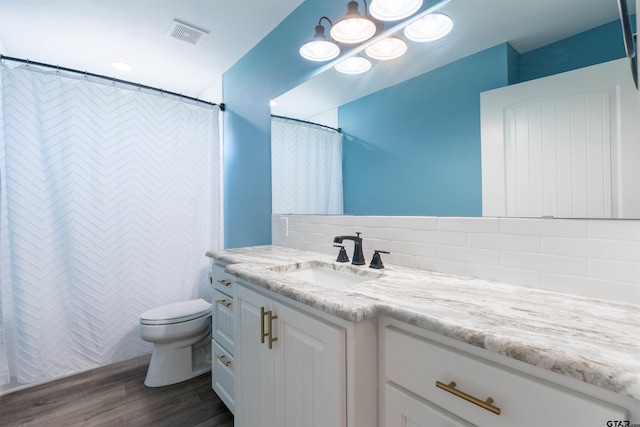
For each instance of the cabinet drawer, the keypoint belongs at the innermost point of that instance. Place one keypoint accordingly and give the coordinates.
(416, 364)
(403, 409)
(222, 375)
(220, 280)
(223, 320)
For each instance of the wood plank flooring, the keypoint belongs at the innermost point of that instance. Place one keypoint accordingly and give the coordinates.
(116, 396)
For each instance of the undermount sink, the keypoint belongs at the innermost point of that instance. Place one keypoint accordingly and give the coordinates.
(325, 274)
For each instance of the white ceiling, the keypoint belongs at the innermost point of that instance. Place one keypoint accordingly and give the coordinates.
(89, 34)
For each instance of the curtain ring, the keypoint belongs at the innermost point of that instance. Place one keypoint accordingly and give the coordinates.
(85, 75)
(28, 66)
(139, 86)
(57, 70)
(113, 82)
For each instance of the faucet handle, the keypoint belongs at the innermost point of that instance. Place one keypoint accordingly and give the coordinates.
(358, 233)
(376, 261)
(342, 255)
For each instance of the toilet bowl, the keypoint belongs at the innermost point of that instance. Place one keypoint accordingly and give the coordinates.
(181, 337)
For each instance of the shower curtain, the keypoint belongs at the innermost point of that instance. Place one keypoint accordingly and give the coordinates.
(306, 168)
(109, 199)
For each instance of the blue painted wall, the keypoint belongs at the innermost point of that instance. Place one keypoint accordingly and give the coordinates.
(271, 68)
(422, 137)
(601, 44)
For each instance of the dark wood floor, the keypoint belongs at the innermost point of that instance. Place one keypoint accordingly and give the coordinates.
(116, 396)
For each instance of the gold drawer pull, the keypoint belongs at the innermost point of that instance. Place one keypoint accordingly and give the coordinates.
(263, 330)
(224, 302)
(487, 404)
(224, 282)
(224, 361)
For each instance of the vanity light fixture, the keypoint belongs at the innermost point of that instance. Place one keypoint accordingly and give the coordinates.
(319, 48)
(353, 27)
(393, 10)
(387, 48)
(429, 28)
(353, 65)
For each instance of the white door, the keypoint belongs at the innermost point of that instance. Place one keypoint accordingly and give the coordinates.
(567, 145)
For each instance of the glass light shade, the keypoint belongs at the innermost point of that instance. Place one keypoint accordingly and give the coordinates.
(354, 65)
(353, 27)
(319, 48)
(393, 10)
(387, 48)
(428, 28)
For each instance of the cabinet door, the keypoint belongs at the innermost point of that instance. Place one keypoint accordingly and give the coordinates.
(254, 371)
(312, 380)
(404, 410)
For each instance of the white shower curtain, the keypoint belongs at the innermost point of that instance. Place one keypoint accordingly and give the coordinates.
(109, 199)
(306, 168)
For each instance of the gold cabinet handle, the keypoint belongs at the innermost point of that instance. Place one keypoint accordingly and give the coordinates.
(487, 404)
(222, 359)
(224, 282)
(267, 334)
(262, 328)
(224, 302)
(272, 339)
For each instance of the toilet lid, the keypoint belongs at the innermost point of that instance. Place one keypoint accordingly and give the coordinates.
(176, 312)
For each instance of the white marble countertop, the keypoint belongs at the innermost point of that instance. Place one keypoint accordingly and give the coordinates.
(591, 340)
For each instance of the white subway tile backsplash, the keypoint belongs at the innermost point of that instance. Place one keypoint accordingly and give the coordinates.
(399, 259)
(624, 229)
(373, 221)
(615, 270)
(419, 249)
(295, 236)
(442, 265)
(469, 225)
(449, 238)
(621, 250)
(507, 275)
(545, 263)
(597, 288)
(505, 242)
(544, 227)
(394, 234)
(481, 256)
(599, 258)
(317, 238)
(415, 222)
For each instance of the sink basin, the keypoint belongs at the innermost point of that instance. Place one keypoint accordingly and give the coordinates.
(325, 275)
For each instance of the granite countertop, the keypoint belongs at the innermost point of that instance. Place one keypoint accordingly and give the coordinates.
(592, 340)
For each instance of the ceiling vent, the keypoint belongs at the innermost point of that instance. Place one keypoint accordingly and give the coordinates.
(186, 33)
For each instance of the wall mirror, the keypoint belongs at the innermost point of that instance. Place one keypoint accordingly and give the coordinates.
(493, 44)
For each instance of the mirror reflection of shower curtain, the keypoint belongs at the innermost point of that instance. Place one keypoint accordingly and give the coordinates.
(306, 168)
(109, 200)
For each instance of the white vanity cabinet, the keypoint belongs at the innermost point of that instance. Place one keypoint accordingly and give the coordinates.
(290, 368)
(223, 335)
(426, 382)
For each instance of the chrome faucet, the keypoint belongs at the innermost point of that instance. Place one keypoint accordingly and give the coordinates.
(358, 256)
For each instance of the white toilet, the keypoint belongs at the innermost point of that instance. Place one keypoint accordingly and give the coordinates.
(181, 335)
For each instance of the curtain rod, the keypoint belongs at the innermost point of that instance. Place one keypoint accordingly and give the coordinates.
(339, 130)
(112, 79)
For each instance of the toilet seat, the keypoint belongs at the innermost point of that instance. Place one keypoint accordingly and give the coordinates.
(176, 312)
